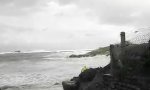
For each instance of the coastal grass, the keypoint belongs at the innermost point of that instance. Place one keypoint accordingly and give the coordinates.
(99, 51)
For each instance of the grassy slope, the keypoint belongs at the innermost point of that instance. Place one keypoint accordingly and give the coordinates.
(99, 51)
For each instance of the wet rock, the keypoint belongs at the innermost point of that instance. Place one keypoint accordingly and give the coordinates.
(9, 88)
(57, 83)
(87, 75)
(70, 85)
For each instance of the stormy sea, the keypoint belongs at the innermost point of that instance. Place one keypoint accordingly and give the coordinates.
(43, 70)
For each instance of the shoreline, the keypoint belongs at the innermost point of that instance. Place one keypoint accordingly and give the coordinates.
(99, 51)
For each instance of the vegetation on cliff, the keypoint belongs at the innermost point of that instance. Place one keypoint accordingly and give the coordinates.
(99, 51)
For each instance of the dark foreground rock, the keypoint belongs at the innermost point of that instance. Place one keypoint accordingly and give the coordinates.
(69, 85)
(90, 79)
(98, 79)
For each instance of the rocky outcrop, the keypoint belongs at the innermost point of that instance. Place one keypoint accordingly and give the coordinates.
(90, 79)
(99, 51)
(129, 69)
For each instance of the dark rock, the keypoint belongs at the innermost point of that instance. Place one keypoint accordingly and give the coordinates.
(95, 84)
(69, 85)
(9, 87)
(57, 83)
(87, 75)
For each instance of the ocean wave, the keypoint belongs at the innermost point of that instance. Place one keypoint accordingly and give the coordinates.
(32, 72)
(6, 52)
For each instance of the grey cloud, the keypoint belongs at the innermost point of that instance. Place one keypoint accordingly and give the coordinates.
(6, 28)
(118, 12)
(20, 7)
(5, 1)
(18, 3)
(63, 2)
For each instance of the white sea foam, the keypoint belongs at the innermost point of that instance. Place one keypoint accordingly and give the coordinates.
(6, 52)
(43, 74)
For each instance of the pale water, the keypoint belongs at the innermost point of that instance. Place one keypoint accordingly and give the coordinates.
(42, 70)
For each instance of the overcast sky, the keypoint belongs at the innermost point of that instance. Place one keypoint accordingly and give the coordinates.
(68, 24)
